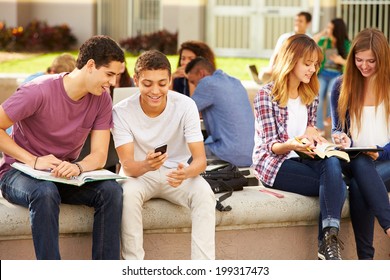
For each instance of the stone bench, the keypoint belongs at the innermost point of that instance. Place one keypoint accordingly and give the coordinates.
(260, 226)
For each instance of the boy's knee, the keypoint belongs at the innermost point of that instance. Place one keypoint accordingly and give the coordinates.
(112, 191)
(47, 192)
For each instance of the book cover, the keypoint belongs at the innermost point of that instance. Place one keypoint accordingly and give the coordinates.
(89, 176)
(361, 149)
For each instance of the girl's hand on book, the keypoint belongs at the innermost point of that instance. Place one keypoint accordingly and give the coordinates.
(342, 139)
(373, 155)
(301, 144)
(313, 135)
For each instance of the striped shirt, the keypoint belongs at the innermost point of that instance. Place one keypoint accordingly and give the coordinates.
(271, 127)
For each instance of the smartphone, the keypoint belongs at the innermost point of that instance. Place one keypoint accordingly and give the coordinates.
(161, 148)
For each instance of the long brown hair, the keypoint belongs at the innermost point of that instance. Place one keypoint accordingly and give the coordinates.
(351, 98)
(294, 48)
(199, 49)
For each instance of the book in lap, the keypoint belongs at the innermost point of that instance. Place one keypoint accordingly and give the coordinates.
(326, 149)
(330, 150)
(85, 177)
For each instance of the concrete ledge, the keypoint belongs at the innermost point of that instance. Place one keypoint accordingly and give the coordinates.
(260, 226)
(251, 209)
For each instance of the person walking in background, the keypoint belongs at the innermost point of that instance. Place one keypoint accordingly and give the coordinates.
(335, 45)
(285, 110)
(142, 122)
(227, 113)
(52, 116)
(187, 52)
(360, 103)
(302, 23)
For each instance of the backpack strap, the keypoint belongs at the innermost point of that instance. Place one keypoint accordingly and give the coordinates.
(219, 205)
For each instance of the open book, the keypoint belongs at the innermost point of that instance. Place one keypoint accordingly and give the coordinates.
(330, 150)
(89, 176)
(326, 149)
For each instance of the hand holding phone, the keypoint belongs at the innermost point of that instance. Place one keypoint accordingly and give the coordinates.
(162, 149)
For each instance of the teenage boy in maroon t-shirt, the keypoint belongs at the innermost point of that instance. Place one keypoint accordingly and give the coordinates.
(51, 118)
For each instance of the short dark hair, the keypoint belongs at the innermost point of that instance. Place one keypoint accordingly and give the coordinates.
(306, 15)
(200, 62)
(102, 49)
(152, 60)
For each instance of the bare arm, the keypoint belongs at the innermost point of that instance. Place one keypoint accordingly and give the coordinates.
(8, 146)
(97, 158)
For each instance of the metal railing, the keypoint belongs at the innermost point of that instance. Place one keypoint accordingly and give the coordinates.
(360, 14)
(127, 18)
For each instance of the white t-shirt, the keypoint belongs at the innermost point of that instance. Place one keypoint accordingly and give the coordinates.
(176, 126)
(297, 119)
(374, 130)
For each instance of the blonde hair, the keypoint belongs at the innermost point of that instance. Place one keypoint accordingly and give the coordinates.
(351, 98)
(63, 63)
(295, 47)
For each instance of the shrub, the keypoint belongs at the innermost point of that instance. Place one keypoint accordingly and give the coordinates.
(37, 36)
(163, 41)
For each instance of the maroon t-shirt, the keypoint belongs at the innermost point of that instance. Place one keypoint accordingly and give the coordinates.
(47, 121)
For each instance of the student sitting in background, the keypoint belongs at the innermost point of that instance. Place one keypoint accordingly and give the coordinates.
(227, 113)
(187, 52)
(63, 63)
(335, 47)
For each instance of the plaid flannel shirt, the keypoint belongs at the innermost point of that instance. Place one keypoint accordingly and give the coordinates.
(271, 128)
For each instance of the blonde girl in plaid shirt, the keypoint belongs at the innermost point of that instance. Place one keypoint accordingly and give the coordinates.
(284, 109)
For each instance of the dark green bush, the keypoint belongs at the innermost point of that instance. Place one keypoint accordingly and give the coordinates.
(37, 36)
(163, 41)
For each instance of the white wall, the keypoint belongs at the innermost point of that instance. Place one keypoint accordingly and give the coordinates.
(79, 15)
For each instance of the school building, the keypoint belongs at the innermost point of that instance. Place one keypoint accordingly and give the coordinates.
(246, 28)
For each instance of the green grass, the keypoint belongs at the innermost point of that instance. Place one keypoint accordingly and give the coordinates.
(236, 67)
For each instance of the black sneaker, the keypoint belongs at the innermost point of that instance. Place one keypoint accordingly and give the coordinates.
(330, 246)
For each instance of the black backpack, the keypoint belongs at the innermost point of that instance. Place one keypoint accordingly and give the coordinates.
(227, 179)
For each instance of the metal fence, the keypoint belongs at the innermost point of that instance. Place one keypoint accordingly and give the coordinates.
(127, 18)
(249, 27)
(363, 14)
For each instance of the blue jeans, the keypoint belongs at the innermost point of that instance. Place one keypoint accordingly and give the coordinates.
(327, 80)
(368, 198)
(43, 199)
(321, 178)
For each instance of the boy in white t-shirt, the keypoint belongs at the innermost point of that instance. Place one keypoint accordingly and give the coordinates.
(152, 117)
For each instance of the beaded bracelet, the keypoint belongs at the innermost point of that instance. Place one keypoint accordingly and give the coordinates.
(80, 168)
(35, 163)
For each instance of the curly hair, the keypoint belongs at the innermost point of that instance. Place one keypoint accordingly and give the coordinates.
(152, 60)
(199, 49)
(102, 49)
